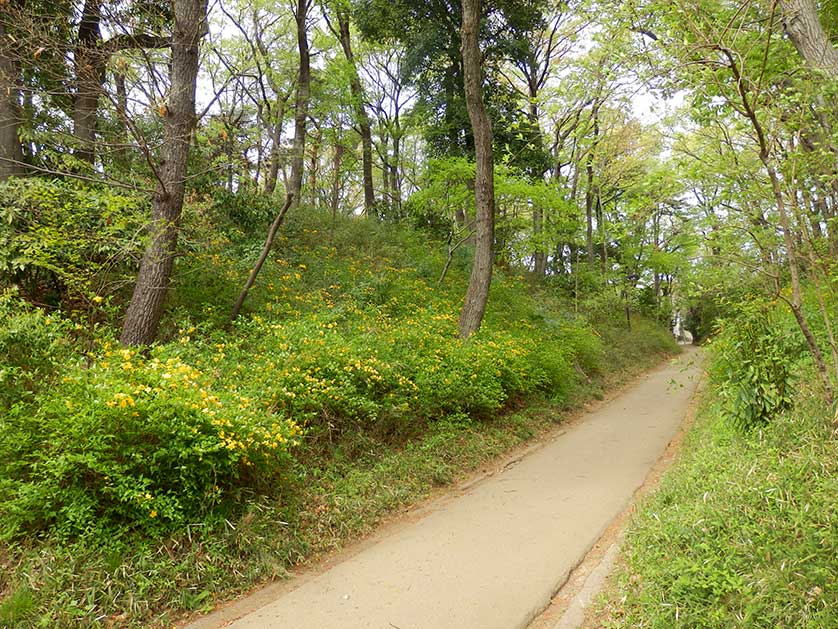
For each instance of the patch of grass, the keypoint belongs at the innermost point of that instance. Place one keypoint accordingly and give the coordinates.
(16, 607)
(743, 531)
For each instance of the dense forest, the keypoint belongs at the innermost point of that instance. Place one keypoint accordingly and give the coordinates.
(260, 259)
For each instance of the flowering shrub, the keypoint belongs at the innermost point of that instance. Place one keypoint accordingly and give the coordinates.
(335, 340)
(132, 442)
(32, 346)
(377, 371)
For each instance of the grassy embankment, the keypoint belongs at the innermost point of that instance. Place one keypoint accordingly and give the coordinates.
(136, 487)
(743, 531)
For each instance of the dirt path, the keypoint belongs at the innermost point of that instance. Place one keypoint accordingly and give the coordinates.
(496, 553)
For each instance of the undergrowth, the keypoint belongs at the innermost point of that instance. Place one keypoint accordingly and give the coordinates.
(743, 530)
(137, 486)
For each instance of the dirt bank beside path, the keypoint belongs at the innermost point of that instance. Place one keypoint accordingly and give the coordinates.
(493, 554)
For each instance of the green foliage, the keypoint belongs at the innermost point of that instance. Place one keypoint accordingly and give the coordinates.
(16, 607)
(347, 347)
(248, 211)
(741, 532)
(59, 236)
(445, 195)
(752, 364)
(702, 318)
(446, 201)
(132, 442)
(33, 346)
(430, 35)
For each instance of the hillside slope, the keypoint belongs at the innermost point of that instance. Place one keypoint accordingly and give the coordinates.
(135, 484)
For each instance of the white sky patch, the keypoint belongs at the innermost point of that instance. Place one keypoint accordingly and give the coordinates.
(652, 108)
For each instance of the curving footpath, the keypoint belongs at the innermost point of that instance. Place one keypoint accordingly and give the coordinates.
(495, 554)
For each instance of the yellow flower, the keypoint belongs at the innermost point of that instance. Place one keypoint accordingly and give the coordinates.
(125, 400)
(152, 514)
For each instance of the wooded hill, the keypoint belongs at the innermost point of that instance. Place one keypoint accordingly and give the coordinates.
(245, 243)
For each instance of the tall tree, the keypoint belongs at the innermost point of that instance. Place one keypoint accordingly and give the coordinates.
(11, 153)
(259, 65)
(90, 60)
(477, 294)
(146, 306)
(295, 184)
(534, 54)
(738, 65)
(801, 23)
(430, 34)
(390, 95)
(89, 75)
(341, 10)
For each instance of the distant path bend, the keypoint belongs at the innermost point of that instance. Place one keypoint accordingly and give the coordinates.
(494, 556)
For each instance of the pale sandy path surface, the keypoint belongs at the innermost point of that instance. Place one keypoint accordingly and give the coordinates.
(494, 555)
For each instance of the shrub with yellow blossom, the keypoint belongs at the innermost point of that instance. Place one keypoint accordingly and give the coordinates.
(134, 442)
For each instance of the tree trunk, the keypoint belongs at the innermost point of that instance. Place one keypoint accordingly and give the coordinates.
(796, 303)
(266, 249)
(600, 221)
(364, 125)
(828, 216)
(314, 165)
(122, 153)
(384, 153)
(395, 180)
(301, 106)
(590, 190)
(228, 153)
(90, 62)
(801, 23)
(89, 69)
(484, 189)
(539, 256)
(276, 140)
(589, 212)
(785, 224)
(11, 153)
(337, 162)
(146, 308)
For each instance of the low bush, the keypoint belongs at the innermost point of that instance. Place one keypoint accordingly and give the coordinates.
(33, 346)
(247, 211)
(63, 239)
(132, 443)
(753, 356)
